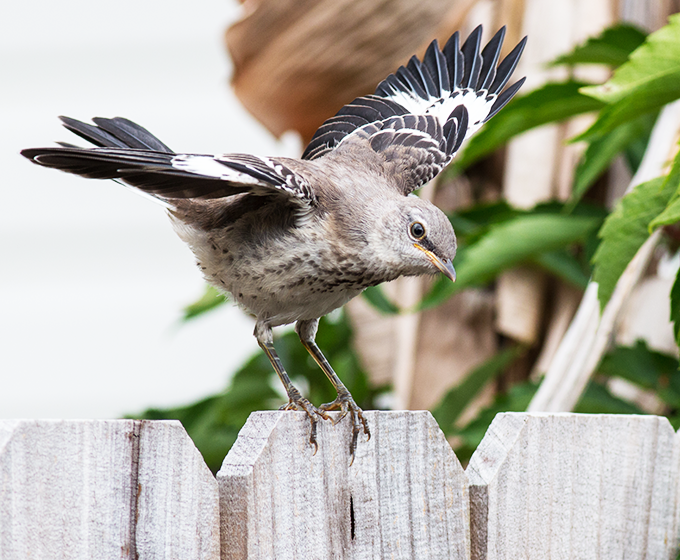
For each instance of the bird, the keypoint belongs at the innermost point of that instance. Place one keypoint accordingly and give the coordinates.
(292, 239)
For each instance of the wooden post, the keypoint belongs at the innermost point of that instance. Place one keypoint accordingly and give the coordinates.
(565, 486)
(405, 496)
(99, 489)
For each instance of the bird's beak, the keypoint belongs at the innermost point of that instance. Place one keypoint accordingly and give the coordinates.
(445, 265)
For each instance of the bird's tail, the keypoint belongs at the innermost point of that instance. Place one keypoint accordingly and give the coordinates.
(131, 155)
(115, 133)
(121, 148)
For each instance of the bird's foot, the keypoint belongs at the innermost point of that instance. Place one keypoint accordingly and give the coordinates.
(346, 404)
(298, 402)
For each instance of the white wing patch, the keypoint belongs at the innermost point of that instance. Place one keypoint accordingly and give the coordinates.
(209, 166)
(262, 174)
(445, 84)
(477, 103)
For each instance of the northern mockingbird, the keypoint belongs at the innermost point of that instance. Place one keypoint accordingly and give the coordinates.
(293, 239)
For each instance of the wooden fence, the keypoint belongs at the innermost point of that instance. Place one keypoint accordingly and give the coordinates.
(540, 486)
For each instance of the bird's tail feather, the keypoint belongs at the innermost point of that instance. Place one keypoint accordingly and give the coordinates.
(120, 147)
(115, 133)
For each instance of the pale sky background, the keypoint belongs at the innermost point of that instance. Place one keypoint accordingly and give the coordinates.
(92, 277)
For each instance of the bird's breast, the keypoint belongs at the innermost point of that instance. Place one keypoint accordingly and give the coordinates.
(280, 274)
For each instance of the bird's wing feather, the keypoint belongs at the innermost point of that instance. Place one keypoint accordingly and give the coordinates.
(413, 148)
(129, 153)
(452, 85)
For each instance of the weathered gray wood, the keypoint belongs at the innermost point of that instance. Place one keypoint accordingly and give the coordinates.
(405, 496)
(574, 486)
(85, 489)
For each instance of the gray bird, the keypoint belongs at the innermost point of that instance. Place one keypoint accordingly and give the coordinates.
(293, 239)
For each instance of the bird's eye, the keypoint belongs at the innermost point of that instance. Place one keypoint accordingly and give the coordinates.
(417, 230)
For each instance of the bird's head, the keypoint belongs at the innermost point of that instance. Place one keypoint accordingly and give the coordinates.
(418, 238)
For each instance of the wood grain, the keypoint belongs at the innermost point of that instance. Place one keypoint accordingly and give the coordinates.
(571, 486)
(104, 489)
(405, 496)
(539, 485)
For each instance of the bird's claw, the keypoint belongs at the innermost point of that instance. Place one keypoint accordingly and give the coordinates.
(346, 404)
(298, 402)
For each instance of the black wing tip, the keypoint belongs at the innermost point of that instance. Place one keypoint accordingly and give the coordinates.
(519, 47)
(462, 66)
(476, 34)
(490, 55)
(74, 125)
(34, 155)
(507, 67)
(469, 51)
(468, 65)
(472, 58)
(116, 132)
(505, 97)
(31, 153)
(473, 41)
(453, 42)
(498, 38)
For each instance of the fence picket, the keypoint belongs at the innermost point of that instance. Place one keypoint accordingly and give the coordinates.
(540, 485)
(84, 489)
(405, 496)
(574, 486)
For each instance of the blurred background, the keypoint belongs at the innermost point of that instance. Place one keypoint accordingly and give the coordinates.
(95, 308)
(93, 277)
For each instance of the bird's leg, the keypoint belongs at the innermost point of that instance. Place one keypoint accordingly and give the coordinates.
(344, 401)
(263, 334)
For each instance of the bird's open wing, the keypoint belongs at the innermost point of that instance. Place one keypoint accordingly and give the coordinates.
(129, 153)
(420, 115)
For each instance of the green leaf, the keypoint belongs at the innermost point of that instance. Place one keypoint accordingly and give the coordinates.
(551, 103)
(210, 299)
(635, 151)
(602, 151)
(377, 298)
(675, 308)
(625, 230)
(649, 80)
(597, 399)
(564, 265)
(472, 223)
(645, 368)
(485, 214)
(457, 399)
(464, 226)
(510, 243)
(670, 214)
(612, 47)
(516, 240)
(516, 399)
